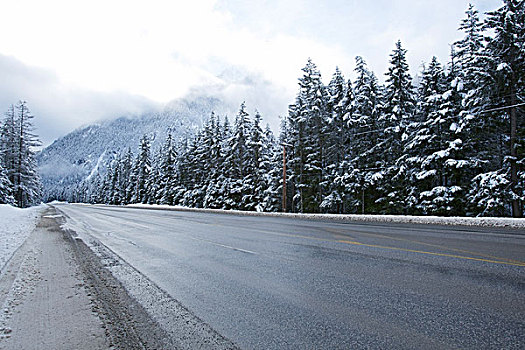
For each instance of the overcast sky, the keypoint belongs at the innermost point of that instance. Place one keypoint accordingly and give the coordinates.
(76, 62)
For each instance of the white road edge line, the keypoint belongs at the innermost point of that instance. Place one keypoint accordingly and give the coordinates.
(223, 245)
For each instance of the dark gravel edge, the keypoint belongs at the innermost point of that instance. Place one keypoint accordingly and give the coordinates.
(126, 320)
(126, 323)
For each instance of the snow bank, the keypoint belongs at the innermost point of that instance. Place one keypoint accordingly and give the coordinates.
(428, 220)
(15, 226)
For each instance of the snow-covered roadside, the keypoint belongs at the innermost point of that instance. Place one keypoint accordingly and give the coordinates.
(428, 220)
(15, 226)
(179, 327)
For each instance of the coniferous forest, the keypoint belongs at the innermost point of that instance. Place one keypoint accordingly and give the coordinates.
(19, 180)
(450, 145)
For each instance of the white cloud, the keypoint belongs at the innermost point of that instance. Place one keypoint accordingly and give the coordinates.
(157, 49)
(59, 108)
(161, 49)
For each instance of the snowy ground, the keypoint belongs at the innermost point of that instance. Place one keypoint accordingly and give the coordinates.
(15, 226)
(45, 300)
(428, 220)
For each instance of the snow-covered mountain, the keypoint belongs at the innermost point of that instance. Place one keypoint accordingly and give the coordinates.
(75, 156)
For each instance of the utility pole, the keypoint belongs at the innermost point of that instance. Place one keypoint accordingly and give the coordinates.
(513, 114)
(363, 201)
(284, 174)
(515, 204)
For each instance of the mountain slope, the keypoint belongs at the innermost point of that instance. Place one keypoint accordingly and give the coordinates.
(73, 157)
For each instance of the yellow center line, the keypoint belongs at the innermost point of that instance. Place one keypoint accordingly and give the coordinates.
(432, 253)
(491, 257)
(501, 261)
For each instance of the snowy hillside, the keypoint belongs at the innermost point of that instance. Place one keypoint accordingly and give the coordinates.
(72, 158)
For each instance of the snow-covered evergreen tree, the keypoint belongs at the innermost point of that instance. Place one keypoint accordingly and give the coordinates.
(141, 170)
(434, 148)
(154, 181)
(240, 162)
(307, 119)
(194, 175)
(168, 172)
(6, 187)
(113, 173)
(255, 180)
(292, 138)
(125, 165)
(336, 128)
(367, 140)
(467, 50)
(214, 197)
(8, 143)
(505, 53)
(271, 168)
(19, 143)
(397, 119)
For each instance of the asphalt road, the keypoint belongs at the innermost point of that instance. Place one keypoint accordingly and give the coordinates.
(276, 283)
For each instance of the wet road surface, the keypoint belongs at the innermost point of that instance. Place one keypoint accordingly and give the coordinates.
(274, 283)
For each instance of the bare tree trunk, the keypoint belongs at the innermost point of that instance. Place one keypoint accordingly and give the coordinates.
(19, 165)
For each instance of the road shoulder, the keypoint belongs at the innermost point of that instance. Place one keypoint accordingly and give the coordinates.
(133, 305)
(46, 304)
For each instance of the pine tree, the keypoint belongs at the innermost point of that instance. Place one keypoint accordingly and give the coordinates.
(271, 169)
(94, 184)
(255, 184)
(114, 176)
(142, 170)
(339, 115)
(225, 180)
(125, 166)
(397, 118)
(467, 50)
(154, 181)
(8, 143)
(286, 159)
(292, 136)
(472, 85)
(183, 180)
(434, 148)
(216, 194)
(27, 189)
(193, 176)
(214, 197)
(240, 162)
(307, 119)
(468, 82)
(211, 159)
(367, 141)
(6, 196)
(506, 69)
(168, 169)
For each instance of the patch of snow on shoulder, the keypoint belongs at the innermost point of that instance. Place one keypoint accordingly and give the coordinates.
(15, 226)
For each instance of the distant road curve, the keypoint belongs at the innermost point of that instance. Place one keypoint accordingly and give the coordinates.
(286, 283)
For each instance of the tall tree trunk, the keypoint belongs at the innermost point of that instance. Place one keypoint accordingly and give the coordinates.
(19, 167)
